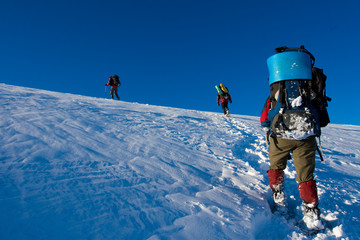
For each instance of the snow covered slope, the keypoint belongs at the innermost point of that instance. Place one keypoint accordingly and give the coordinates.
(75, 167)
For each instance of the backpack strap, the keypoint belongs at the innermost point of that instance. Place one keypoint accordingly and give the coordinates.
(276, 142)
(284, 104)
(283, 96)
(304, 92)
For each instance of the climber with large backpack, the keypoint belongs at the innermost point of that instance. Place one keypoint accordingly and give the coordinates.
(292, 117)
(223, 97)
(114, 82)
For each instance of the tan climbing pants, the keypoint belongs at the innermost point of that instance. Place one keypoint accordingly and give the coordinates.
(303, 153)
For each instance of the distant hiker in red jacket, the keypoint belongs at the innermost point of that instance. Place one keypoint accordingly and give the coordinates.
(114, 83)
(224, 100)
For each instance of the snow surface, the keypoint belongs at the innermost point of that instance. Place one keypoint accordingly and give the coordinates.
(76, 167)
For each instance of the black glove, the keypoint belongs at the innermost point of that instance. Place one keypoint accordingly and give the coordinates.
(105, 84)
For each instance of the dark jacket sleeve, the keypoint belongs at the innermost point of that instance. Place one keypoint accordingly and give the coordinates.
(110, 83)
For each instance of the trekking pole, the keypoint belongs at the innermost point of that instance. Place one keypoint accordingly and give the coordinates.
(105, 91)
(319, 150)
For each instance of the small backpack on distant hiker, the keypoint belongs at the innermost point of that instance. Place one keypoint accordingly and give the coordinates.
(222, 90)
(298, 98)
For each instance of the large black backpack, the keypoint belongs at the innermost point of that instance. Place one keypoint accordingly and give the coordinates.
(320, 99)
(116, 80)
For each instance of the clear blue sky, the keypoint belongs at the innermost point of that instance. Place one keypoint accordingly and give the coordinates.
(172, 53)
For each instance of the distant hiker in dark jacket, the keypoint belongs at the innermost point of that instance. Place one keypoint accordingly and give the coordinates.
(114, 83)
(224, 100)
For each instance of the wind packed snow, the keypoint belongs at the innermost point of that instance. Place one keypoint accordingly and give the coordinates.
(75, 167)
